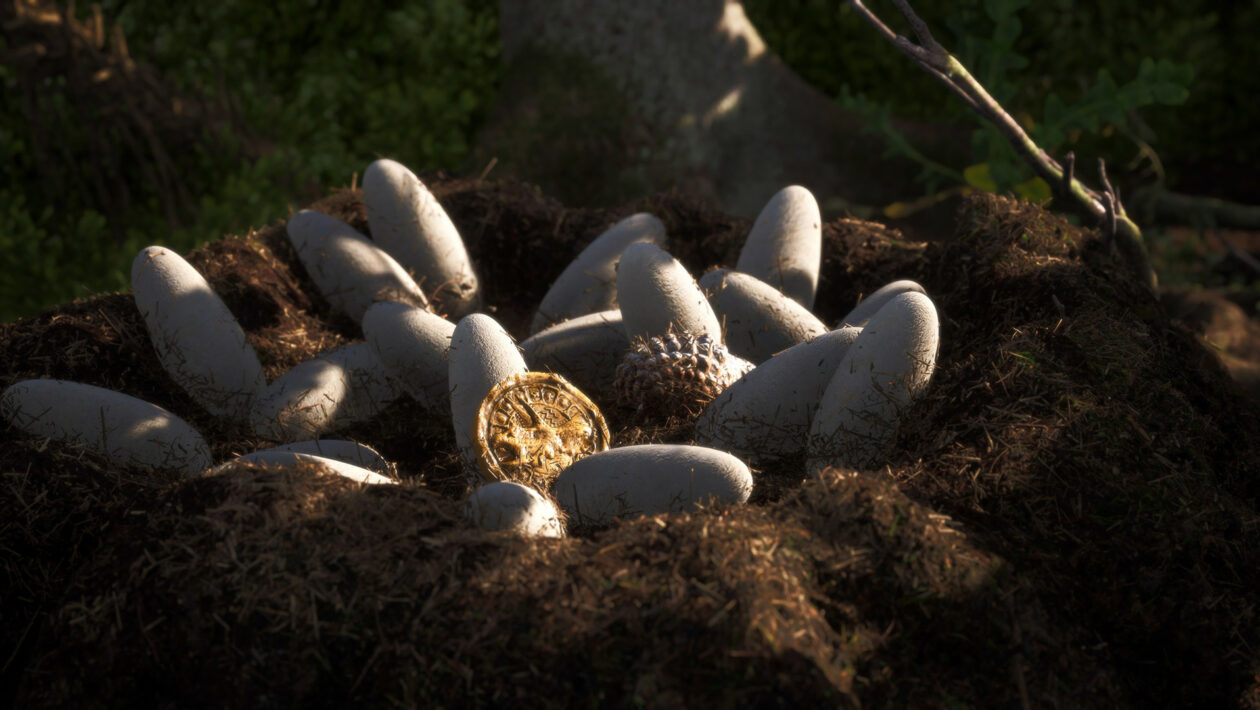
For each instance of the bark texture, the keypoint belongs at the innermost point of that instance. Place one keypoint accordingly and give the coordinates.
(606, 99)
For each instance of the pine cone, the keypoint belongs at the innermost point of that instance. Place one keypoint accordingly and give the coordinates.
(671, 371)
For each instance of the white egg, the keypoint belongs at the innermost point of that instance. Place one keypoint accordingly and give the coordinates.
(784, 248)
(888, 365)
(589, 283)
(350, 452)
(414, 346)
(586, 350)
(127, 431)
(197, 339)
(276, 457)
(758, 319)
(482, 356)
(870, 305)
(349, 270)
(650, 479)
(327, 392)
(657, 294)
(407, 221)
(511, 506)
(765, 416)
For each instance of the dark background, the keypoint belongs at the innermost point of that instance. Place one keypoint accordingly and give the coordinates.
(138, 122)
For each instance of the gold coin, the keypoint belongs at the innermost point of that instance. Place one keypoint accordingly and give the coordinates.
(532, 426)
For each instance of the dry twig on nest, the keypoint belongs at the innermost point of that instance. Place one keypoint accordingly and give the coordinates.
(1103, 205)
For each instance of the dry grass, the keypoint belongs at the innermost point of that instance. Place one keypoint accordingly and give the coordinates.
(1069, 518)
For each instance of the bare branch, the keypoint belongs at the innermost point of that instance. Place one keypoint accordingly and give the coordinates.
(1069, 167)
(937, 61)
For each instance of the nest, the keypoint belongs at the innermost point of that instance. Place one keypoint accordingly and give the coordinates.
(1068, 517)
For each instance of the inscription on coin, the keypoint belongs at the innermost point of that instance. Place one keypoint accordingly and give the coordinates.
(531, 426)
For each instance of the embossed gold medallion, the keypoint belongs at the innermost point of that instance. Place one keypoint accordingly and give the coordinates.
(531, 426)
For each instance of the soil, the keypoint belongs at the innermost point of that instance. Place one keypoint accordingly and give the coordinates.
(1069, 517)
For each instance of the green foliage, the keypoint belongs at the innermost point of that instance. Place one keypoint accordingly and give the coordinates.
(320, 90)
(1060, 56)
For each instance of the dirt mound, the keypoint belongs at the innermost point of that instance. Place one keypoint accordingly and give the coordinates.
(1069, 518)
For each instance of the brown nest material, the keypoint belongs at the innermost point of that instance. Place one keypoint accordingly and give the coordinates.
(1069, 517)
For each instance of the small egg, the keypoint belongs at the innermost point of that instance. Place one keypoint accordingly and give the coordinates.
(870, 305)
(765, 415)
(586, 350)
(278, 457)
(330, 391)
(504, 505)
(482, 356)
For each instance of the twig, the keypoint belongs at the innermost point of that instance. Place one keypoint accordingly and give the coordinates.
(1235, 252)
(938, 62)
(1156, 203)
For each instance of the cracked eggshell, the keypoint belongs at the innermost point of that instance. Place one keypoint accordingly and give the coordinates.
(511, 506)
(650, 479)
(784, 248)
(870, 305)
(482, 356)
(888, 365)
(350, 271)
(407, 221)
(589, 283)
(127, 431)
(585, 351)
(656, 293)
(765, 416)
(759, 320)
(197, 339)
(327, 392)
(279, 457)
(414, 346)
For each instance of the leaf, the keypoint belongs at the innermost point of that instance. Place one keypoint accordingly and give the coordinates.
(978, 177)
(1035, 190)
(1053, 111)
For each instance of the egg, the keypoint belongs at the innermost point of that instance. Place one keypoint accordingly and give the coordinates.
(586, 350)
(784, 247)
(349, 270)
(870, 305)
(330, 391)
(657, 294)
(504, 505)
(197, 339)
(482, 356)
(279, 457)
(407, 221)
(589, 283)
(759, 321)
(350, 452)
(128, 432)
(885, 368)
(413, 345)
(765, 415)
(648, 479)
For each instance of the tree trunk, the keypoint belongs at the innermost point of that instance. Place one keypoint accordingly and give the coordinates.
(605, 100)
